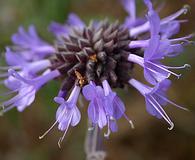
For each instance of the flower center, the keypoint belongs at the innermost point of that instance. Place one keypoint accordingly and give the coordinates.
(96, 53)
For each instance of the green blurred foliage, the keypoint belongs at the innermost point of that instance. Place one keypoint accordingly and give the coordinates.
(149, 141)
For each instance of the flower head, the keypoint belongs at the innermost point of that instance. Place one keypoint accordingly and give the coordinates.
(93, 60)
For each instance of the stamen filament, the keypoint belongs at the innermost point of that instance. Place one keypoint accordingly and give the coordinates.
(174, 104)
(62, 138)
(163, 113)
(42, 136)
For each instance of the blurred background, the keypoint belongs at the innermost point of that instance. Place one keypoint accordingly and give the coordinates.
(150, 140)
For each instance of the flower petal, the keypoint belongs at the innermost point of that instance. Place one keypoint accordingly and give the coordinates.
(89, 91)
(93, 112)
(76, 116)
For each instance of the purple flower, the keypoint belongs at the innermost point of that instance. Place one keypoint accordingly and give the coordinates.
(62, 30)
(167, 29)
(154, 71)
(25, 68)
(96, 109)
(93, 60)
(67, 113)
(115, 108)
(131, 21)
(105, 107)
(29, 45)
(27, 89)
(156, 50)
(155, 98)
(164, 22)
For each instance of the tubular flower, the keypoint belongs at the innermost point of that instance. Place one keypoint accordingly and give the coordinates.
(67, 113)
(92, 60)
(27, 89)
(156, 98)
(29, 45)
(156, 50)
(25, 68)
(131, 21)
(105, 106)
(62, 30)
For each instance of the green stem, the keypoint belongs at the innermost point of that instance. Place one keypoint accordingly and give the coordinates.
(93, 145)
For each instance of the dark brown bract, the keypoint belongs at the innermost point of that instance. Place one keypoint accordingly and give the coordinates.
(95, 53)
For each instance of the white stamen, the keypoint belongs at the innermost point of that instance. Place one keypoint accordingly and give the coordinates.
(107, 135)
(186, 8)
(42, 136)
(166, 70)
(132, 124)
(146, 26)
(8, 108)
(62, 138)
(174, 104)
(162, 112)
(185, 66)
(130, 121)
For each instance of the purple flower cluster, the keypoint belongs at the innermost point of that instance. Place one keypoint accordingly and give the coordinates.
(31, 64)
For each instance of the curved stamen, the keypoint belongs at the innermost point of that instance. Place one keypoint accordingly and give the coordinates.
(8, 108)
(44, 134)
(161, 111)
(185, 66)
(183, 10)
(164, 69)
(130, 121)
(62, 138)
(182, 38)
(171, 102)
(146, 26)
(106, 135)
(53, 125)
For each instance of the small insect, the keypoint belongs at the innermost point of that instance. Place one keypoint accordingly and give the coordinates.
(80, 78)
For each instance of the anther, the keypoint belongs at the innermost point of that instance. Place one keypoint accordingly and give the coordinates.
(107, 135)
(186, 8)
(187, 66)
(132, 125)
(60, 142)
(171, 126)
